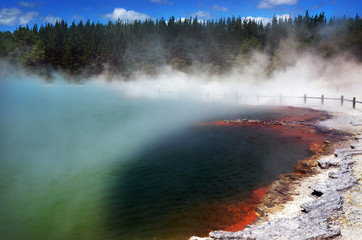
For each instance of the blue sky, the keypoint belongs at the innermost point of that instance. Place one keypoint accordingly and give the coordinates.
(14, 13)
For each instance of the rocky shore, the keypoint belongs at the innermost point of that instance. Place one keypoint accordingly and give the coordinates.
(322, 204)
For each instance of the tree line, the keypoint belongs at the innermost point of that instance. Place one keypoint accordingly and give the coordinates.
(126, 47)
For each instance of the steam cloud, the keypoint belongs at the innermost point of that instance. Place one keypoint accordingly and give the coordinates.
(298, 74)
(305, 73)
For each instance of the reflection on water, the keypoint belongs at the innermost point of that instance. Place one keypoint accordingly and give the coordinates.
(82, 162)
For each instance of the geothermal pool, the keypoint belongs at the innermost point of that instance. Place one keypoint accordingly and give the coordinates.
(87, 162)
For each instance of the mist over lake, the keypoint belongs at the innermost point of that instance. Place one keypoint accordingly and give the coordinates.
(86, 161)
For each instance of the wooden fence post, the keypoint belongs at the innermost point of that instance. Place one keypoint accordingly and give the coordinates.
(305, 98)
(354, 102)
(342, 98)
(322, 99)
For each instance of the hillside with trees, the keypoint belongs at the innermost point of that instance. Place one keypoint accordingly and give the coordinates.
(126, 47)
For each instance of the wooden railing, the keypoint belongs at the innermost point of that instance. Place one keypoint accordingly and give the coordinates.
(237, 96)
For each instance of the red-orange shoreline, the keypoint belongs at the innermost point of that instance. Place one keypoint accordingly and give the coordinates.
(247, 212)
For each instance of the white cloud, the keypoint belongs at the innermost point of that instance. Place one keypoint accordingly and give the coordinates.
(124, 15)
(8, 16)
(14, 16)
(201, 14)
(27, 17)
(28, 4)
(272, 3)
(220, 8)
(266, 20)
(50, 19)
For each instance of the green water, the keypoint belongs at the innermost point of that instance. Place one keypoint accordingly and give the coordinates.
(85, 162)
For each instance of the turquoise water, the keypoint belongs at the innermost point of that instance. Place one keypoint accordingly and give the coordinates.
(85, 162)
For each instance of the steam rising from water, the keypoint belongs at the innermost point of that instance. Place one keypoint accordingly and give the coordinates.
(300, 74)
(60, 143)
(294, 75)
(57, 139)
(290, 73)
